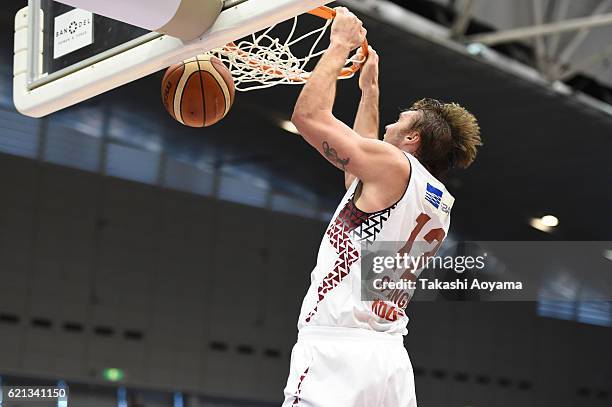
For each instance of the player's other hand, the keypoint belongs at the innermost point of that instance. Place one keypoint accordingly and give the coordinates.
(347, 30)
(368, 77)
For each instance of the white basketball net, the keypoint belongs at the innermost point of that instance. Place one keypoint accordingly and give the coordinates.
(263, 61)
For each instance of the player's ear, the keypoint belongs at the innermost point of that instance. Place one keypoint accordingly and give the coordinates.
(412, 138)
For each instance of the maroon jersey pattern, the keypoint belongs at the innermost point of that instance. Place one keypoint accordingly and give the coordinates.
(362, 226)
(296, 401)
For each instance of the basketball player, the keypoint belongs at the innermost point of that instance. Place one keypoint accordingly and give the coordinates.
(350, 352)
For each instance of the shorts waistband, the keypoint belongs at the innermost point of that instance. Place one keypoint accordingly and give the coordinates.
(340, 332)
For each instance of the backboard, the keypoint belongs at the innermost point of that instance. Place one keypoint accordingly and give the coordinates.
(51, 73)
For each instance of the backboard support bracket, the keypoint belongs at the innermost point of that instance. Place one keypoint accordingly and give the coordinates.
(37, 97)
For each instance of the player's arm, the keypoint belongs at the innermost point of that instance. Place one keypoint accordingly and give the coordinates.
(368, 159)
(367, 119)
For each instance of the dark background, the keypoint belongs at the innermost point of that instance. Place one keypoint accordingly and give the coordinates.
(181, 255)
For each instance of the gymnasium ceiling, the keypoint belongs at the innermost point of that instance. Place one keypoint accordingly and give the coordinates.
(504, 14)
(543, 153)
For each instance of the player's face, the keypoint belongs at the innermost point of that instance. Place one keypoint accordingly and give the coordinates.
(395, 132)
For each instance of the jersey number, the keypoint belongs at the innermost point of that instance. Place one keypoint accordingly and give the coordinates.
(383, 308)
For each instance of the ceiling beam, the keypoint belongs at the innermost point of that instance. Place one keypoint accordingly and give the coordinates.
(561, 9)
(572, 46)
(514, 34)
(540, 46)
(585, 63)
(462, 21)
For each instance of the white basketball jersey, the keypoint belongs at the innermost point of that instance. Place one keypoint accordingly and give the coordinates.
(334, 298)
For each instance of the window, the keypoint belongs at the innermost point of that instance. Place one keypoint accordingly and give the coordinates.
(66, 146)
(187, 177)
(132, 164)
(18, 134)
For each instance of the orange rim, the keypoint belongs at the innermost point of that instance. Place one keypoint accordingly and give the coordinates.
(325, 13)
(328, 13)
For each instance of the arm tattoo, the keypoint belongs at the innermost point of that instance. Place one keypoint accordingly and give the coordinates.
(332, 155)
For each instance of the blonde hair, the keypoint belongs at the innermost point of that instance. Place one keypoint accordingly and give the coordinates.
(450, 135)
(465, 133)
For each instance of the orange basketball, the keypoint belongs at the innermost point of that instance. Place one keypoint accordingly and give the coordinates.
(199, 91)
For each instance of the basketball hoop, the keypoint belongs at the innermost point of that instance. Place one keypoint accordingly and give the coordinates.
(264, 61)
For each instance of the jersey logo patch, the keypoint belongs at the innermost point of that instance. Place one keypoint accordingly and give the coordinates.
(433, 195)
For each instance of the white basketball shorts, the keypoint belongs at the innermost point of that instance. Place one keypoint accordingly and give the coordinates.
(349, 367)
